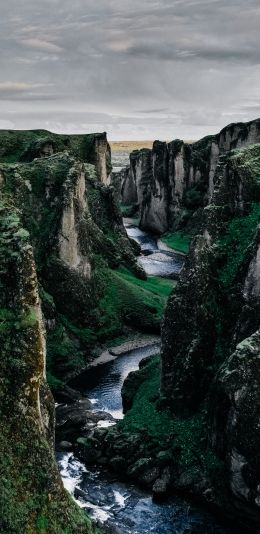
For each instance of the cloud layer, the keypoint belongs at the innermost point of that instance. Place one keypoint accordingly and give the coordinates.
(140, 69)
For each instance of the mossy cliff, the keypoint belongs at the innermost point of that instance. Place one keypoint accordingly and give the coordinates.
(194, 427)
(171, 183)
(79, 241)
(32, 497)
(210, 353)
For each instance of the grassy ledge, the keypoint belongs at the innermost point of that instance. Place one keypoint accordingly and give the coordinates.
(177, 241)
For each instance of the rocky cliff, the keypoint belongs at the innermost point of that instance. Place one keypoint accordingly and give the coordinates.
(173, 180)
(32, 497)
(192, 416)
(25, 146)
(210, 354)
(60, 184)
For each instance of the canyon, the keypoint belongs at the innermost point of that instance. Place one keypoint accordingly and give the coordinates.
(75, 283)
(170, 182)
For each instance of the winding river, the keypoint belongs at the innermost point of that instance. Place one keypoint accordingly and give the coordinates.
(117, 506)
(156, 258)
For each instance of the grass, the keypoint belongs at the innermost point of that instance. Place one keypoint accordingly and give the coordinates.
(187, 436)
(177, 241)
(238, 236)
(128, 300)
(159, 286)
(143, 414)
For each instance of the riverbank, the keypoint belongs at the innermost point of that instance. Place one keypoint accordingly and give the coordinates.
(112, 353)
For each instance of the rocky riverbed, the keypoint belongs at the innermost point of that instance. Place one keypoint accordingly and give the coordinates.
(117, 505)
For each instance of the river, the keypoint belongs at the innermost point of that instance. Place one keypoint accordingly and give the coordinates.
(116, 505)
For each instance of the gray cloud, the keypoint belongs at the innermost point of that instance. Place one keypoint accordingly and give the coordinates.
(139, 68)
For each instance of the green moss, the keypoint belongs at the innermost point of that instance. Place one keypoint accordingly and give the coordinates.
(126, 299)
(179, 241)
(186, 438)
(18, 145)
(32, 498)
(63, 353)
(159, 286)
(235, 242)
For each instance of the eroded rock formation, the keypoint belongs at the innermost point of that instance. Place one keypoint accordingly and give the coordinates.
(32, 496)
(171, 181)
(210, 353)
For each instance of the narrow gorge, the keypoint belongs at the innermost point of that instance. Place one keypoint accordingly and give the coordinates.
(130, 301)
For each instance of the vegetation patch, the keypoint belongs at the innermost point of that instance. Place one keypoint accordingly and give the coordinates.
(126, 299)
(184, 439)
(179, 241)
(238, 236)
(159, 286)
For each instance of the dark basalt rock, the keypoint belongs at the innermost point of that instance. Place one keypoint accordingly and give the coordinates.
(68, 395)
(210, 337)
(236, 421)
(75, 419)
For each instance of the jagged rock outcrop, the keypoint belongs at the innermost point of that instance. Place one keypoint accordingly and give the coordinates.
(210, 350)
(235, 431)
(32, 497)
(172, 181)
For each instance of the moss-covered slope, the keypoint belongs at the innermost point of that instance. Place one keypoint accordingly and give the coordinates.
(32, 498)
(78, 237)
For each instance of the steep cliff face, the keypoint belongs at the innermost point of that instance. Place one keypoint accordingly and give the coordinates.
(77, 233)
(80, 247)
(174, 180)
(210, 353)
(32, 498)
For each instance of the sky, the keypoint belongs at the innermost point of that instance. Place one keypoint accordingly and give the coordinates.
(138, 69)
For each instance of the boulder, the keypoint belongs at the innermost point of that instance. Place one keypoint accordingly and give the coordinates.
(65, 446)
(162, 484)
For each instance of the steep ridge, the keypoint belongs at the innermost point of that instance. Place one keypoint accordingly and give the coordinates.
(79, 240)
(32, 497)
(171, 182)
(26, 145)
(210, 353)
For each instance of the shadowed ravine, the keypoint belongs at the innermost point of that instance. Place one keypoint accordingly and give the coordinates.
(118, 506)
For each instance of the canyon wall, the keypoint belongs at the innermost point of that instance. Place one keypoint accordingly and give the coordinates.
(61, 236)
(26, 145)
(61, 186)
(173, 180)
(32, 497)
(210, 335)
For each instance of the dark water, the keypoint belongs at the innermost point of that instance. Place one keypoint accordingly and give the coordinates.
(155, 259)
(102, 384)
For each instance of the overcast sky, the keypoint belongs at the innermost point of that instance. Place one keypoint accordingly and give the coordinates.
(138, 69)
